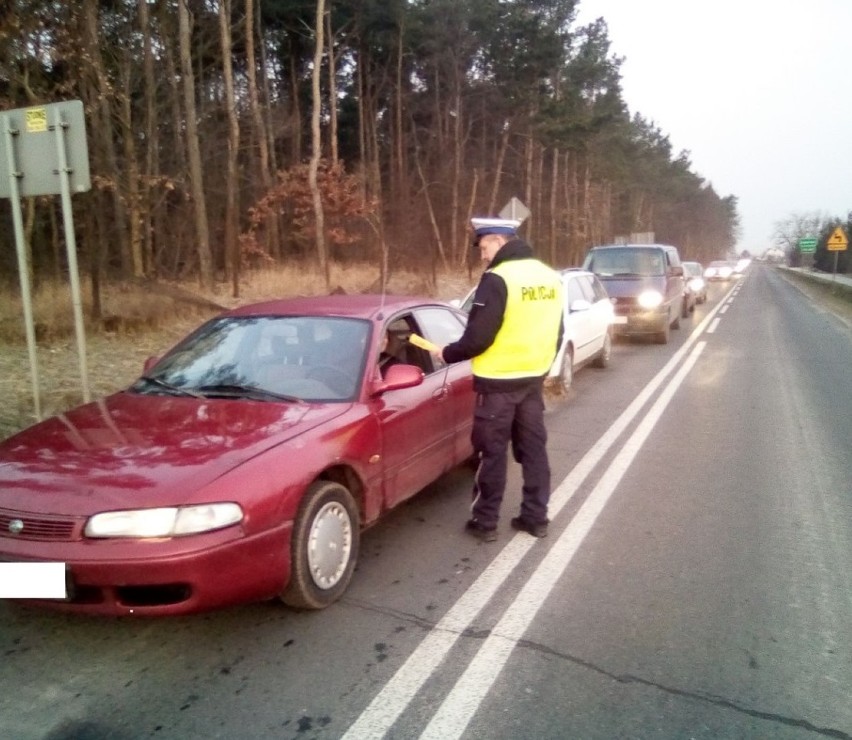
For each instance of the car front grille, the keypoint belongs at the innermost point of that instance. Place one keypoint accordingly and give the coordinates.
(23, 525)
(625, 306)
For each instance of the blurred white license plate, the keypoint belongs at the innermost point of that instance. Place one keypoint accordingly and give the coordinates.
(32, 581)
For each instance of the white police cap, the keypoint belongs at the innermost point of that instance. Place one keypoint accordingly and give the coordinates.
(483, 226)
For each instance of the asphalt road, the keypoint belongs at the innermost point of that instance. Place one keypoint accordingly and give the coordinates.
(696, 582)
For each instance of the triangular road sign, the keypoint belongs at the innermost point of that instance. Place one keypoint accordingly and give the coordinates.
(837, 242)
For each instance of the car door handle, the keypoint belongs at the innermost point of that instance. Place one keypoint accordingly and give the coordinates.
(441, 393)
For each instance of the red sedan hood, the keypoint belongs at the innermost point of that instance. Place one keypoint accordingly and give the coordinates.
(132, 450)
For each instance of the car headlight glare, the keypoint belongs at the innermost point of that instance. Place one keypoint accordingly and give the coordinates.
(696, 284)
(650, 299)
(169, 521)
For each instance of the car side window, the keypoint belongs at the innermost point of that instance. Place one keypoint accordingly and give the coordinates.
(573, 291)
(441, 326)
(585, 283)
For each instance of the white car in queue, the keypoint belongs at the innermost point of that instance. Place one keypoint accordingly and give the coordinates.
(589, 315)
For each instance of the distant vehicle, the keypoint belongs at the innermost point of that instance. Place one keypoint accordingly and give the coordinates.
(719, 270)
(243, 464)
(645, 282)
(693, 273)
(588, 316)
(741, 265)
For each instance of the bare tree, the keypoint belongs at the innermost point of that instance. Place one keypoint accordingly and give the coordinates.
(258, 125)
(202, 229)
(316, 144)
(232, 206)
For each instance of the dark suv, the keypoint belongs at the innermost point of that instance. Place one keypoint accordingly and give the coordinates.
(645, 282)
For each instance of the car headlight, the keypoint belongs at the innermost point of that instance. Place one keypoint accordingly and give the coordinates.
(650, 299)
(696, 284)
(169, 521)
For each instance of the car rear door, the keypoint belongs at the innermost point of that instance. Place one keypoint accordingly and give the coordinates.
(579, 324)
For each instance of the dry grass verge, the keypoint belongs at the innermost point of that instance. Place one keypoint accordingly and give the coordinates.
(144, 320)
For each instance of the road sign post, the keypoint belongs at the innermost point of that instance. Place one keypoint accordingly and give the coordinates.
(34, 163)
(23, 267)
(837, 242)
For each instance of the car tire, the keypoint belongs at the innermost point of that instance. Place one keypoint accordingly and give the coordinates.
(323, 547)
(685, 309)
(662, 337)
(566, 374)
(605, 355)
(676, 323)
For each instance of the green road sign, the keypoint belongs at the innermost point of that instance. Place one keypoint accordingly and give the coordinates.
(807, 245)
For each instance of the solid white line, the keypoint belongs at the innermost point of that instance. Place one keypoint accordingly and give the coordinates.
(461, 704)
(397, 693)
(713, 325)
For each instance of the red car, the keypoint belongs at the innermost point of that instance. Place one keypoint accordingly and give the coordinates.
(243, 464)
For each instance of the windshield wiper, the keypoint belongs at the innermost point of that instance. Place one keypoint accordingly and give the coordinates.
(175, 389)
(252, 392)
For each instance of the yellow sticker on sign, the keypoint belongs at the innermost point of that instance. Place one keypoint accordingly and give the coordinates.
(36, 120)
(837, 242)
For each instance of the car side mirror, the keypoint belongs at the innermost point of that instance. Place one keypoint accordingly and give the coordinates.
(677, 271)
(399, 376)
(580, 304)
(149, 363)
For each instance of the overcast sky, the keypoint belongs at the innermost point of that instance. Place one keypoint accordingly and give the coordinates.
(758, 91)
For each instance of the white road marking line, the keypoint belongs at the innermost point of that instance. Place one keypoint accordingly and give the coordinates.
(397, 693)
(724, 308)
(461, 704)
(713, 325)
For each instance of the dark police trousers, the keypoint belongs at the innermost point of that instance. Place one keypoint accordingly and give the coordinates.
(515, 417)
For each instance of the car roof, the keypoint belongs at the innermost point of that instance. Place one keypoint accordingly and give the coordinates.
(635, 246)
(360, 305)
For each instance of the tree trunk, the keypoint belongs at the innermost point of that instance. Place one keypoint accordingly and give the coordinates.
(133, 200)
(259, 128)
(295, 112)
(332, 94)
(528, 188)
(103, 130)
(232, 206)
(202, 229)
(152, 158)
(498, 173)
(316, 145)
(455, 235)
(554, 219)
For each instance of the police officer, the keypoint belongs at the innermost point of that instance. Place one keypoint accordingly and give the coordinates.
(513, 333)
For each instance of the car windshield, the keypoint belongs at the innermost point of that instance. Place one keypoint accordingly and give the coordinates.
(265, 358)
(626, 262)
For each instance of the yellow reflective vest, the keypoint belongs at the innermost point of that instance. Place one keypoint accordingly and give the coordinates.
(525, 344)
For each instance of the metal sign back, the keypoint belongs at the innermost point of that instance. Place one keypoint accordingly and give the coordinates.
(36, 155)
(515, 210)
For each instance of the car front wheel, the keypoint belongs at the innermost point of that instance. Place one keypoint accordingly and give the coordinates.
(604, 356)
(323, 548)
